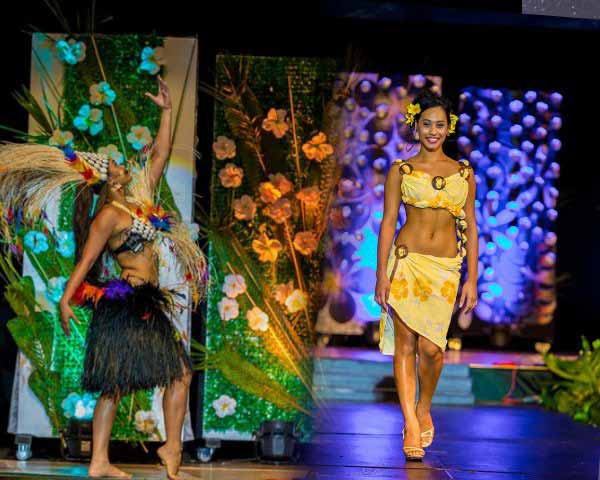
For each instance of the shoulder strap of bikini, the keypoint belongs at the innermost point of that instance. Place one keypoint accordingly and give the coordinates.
(405, 167)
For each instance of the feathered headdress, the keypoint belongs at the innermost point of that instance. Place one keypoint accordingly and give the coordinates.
(31, 174)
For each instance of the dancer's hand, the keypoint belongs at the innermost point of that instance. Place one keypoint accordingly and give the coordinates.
(468, 295)
(163, 97)
(382, 290)
(67, 313)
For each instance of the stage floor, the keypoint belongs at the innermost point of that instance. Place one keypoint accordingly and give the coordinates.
(363, 441)
(227, 470)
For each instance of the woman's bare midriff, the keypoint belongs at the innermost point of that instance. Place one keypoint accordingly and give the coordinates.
(140, 267)
(430, 231)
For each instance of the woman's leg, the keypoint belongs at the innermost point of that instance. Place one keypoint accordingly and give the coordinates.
(104, 417)
(431, 362)
(405, 344)
(174, 408)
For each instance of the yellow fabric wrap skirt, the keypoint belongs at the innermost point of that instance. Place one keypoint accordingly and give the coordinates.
(423, 293)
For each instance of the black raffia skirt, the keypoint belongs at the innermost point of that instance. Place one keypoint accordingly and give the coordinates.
(131, 343)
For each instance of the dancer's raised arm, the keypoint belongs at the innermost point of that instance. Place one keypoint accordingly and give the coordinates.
(162, 144)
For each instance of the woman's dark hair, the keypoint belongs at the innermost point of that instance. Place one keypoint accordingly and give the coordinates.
(82, 219)
(427, 99)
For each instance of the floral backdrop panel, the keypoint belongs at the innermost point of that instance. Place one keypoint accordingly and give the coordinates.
(274, 167)
(374, 135)
(87, 92)
(512, 139)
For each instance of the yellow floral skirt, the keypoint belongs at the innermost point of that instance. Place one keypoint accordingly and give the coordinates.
(423, 292)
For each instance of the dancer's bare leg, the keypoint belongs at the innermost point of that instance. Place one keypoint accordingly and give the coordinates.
(431, 362)
(104, 417)
(405, 342)
(174, 407)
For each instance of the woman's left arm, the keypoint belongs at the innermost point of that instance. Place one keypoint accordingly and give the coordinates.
(469, 295)
(162, 143)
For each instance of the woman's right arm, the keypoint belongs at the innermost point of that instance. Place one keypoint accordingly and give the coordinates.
(391, 203)
(100, 231)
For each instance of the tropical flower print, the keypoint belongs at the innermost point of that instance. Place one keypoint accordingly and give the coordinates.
(234, 285)
(421, 290)
(296, 301)
(244, 208)
(66, 244)
(258, 320)
(36, 241)
(448, 291)
(268, 192)
(231, 176)
(70, 51)
(317, 148)
(112, 152)
(55, 288)
(224, 406)
(276, 123)
(224, 148)
(279, 211)
(89, 119)
(399, 288)
(152, 59)
(281, 183)
(283, 291)
(139, 136)
(102, 94)
(145, 421)
(267, 248)
(61, 138)
(228, 308)
(310, 197)
(306, 242)
(79, 406)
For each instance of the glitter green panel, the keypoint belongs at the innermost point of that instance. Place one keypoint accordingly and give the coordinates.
(311, 81)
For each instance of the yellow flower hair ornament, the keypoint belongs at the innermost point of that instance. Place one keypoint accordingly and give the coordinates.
(453, 120)
(411, 111)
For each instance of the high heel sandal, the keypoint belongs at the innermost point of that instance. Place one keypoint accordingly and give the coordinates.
(412, 454)
(427, 437)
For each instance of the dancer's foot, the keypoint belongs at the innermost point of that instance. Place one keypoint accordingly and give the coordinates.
(171, 459)
(102, 470)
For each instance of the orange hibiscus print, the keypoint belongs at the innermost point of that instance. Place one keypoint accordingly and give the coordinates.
(448, 291)
(422, 290)
(399, 288)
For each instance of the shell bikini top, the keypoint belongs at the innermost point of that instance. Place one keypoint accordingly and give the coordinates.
(422, 190)
(138, 234)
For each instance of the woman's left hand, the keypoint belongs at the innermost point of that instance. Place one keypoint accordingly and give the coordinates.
(163, 97)
(468, 296)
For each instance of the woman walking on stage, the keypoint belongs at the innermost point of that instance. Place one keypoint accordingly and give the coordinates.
(131, 342)
(417, 282)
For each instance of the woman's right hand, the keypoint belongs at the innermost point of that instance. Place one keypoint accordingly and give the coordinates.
(382, 290)
(67, 313)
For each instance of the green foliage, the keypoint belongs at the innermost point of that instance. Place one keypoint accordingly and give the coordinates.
(576, 391)
(33, 332)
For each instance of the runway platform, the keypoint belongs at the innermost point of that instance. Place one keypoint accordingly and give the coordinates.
(468, 377)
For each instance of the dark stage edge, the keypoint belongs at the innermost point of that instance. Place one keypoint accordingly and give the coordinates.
(363, 441)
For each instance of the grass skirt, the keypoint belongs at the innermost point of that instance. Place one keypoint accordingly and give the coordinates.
(422, 293)
(131, 342)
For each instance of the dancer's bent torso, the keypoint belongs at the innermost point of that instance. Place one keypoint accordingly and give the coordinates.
(136, 268)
